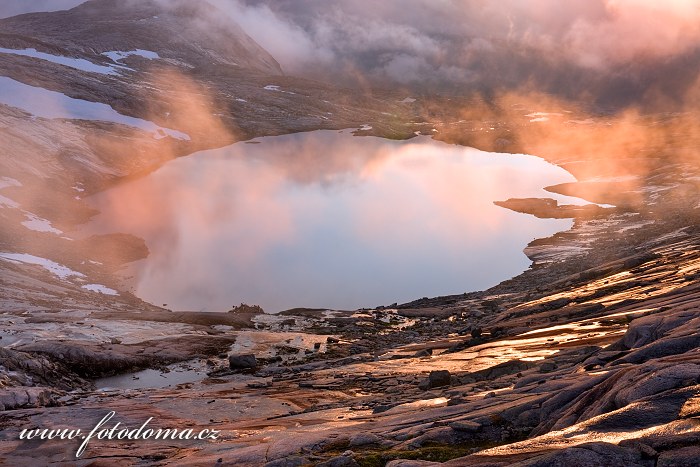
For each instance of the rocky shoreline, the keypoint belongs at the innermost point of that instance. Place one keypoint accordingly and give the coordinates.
(593, 366)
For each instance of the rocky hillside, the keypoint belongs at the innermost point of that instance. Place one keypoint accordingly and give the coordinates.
(192, 36)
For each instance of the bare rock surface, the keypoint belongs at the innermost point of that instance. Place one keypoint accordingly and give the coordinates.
(590, 357)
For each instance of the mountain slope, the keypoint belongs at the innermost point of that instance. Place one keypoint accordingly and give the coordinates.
(181, 33)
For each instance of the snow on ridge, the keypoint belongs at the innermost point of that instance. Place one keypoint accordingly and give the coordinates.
(7, 182)
(100, 289)
(118, 55)
(59, 270)
(43, 103)
(39, 224)
(75, 63)
(274, 87)
(7, 202)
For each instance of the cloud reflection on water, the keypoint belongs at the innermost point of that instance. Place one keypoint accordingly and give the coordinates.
(325, 219)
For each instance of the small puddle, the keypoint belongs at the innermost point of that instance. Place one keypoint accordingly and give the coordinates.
(150, 378)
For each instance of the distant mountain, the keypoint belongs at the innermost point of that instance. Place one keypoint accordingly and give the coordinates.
(189, 33)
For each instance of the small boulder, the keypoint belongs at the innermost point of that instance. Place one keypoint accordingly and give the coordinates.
(439, 378)
(242, 362)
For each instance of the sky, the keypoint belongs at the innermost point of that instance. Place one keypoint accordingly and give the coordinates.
(15, 7)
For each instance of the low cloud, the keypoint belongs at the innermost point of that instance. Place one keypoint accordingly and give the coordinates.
(426, 43)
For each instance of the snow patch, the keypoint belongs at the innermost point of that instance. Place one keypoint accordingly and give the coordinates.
(274, 87)
(51, 104)
(7, 182)
(7, 202)
(118, 55)
(59, 270)
(99, 289)
(38, 224)
(75, 63)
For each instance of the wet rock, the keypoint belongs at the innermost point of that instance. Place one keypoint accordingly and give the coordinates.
(242, 362)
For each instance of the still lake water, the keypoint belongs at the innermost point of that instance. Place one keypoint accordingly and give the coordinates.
(328, 220)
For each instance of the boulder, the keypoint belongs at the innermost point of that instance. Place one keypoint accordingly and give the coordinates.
(439, 378)
(242, 362)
